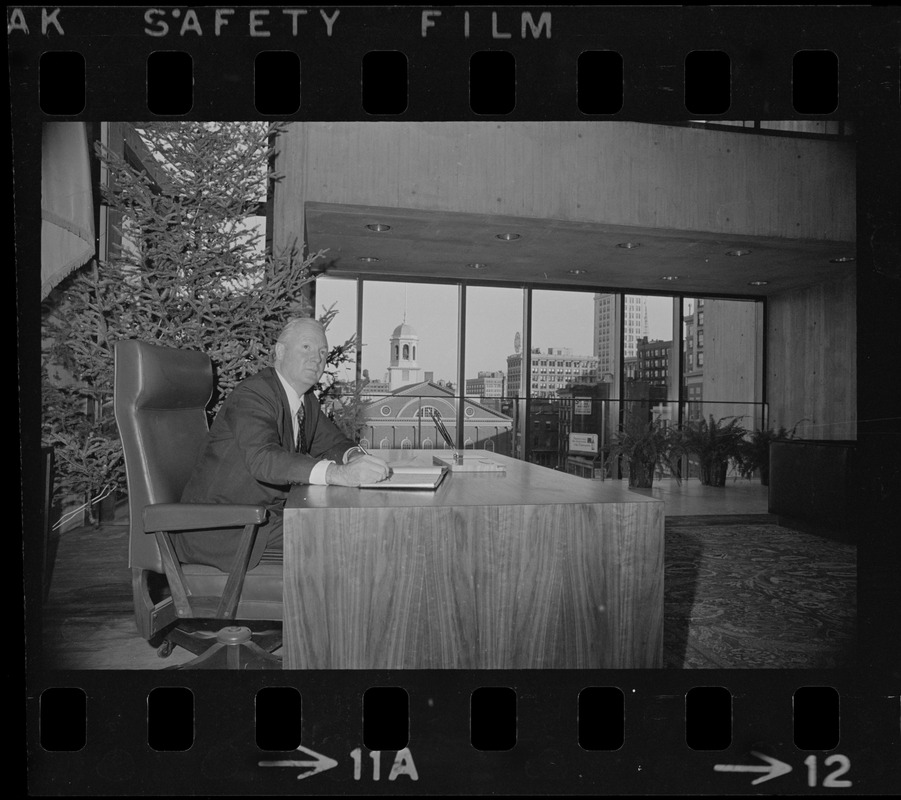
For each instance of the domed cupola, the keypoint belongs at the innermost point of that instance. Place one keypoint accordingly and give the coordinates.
(403, 366)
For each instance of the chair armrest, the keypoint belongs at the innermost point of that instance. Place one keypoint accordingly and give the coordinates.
(173, 517)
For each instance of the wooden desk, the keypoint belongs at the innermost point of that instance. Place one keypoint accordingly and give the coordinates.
(529, 569)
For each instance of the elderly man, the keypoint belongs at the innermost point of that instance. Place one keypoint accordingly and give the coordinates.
(269, 434)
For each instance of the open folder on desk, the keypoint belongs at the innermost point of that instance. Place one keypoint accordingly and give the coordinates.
(410, 477)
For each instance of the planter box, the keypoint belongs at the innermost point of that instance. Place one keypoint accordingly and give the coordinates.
(814, 482)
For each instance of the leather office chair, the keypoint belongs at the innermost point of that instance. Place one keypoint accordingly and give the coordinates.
(161, 394)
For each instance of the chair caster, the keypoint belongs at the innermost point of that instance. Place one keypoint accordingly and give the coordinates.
(165, 649)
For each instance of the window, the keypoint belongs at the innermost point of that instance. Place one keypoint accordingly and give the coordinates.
(387, 304)
(340, 294)
(569, 345)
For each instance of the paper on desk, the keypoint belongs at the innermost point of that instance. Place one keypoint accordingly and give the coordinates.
(408, 476)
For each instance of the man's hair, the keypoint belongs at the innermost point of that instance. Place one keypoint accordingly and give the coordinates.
(293, 324)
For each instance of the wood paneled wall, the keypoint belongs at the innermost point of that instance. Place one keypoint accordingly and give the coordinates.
(812, 360)
(614, 172)
(733, 359)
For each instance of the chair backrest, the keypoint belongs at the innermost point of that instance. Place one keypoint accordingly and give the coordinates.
(161, 394)
(48, 460)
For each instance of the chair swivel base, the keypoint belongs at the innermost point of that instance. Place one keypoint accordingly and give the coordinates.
(198, 635)
(234, 649)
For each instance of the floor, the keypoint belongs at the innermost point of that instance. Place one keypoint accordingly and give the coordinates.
(88, 622)
(691, 499)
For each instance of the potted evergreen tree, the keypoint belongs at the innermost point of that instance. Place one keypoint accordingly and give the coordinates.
(190, 272)
(714, 443)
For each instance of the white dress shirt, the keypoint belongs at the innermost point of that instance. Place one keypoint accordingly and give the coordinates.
(317, 476)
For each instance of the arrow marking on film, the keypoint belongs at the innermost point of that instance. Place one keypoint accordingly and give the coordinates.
(318, 762)
(773, 769)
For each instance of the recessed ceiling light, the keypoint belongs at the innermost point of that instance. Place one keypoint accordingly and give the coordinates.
(841, 260)
(737, 252)
(476, 265)
(578, 271)
(379, 227)
(629, 245)
(757, 283)
(507, 237)
(367, 258)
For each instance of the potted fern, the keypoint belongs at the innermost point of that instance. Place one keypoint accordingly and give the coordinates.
(754, 453)
(647, 446)
(714, 443)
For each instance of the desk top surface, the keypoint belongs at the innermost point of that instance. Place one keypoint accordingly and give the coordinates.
(520, 484)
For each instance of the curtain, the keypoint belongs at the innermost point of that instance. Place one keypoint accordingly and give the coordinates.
(67, 208)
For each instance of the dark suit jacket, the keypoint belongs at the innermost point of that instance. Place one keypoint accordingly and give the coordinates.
(250, 457)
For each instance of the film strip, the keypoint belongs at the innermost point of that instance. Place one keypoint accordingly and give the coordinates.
(531, 731)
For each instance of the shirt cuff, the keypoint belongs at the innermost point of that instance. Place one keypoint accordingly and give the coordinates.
(317, 475)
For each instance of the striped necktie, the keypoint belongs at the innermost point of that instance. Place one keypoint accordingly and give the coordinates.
(301, 444)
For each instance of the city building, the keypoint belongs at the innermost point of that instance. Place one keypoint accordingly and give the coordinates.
(487, 384)
(551, 370)
(403, 419)
(635, 326)
(373, 388)
(693, 359)
(399, 415)
(653, 364)
(403, 368)
(587, 409)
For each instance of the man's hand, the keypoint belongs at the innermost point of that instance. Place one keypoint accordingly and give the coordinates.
(365, 469)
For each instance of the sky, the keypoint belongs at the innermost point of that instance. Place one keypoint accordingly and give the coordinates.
(493, 317)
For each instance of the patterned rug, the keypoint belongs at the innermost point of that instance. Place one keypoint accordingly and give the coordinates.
(751, 596)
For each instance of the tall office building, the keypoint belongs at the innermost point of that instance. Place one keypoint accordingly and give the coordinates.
(635, 326)
(693, 366)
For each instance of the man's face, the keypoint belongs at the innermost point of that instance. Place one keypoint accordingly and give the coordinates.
(301, 359)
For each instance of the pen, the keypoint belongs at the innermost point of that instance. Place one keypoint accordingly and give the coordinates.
(436, 418)
(365, 452)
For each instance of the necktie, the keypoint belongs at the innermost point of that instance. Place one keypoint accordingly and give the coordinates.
(301, 434)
